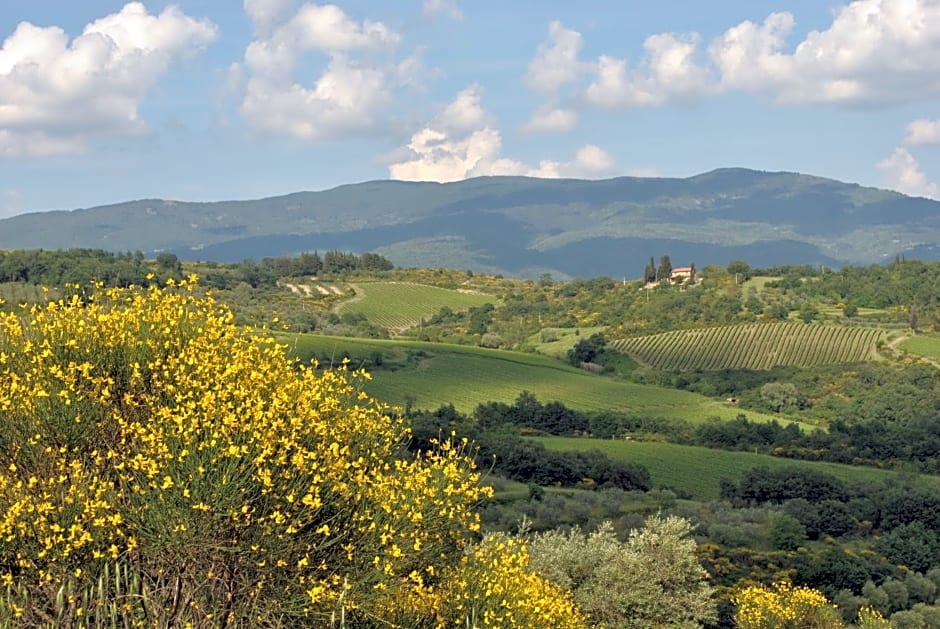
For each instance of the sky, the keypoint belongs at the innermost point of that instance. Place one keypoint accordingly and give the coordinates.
(106, 101)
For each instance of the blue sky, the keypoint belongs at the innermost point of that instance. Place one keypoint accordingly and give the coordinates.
(104, 101)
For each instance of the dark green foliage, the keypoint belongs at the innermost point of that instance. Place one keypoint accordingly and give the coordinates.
(762, 484)
(664, 270)
(522, 459)
(912, 545)
(587, 350)
(786, 532)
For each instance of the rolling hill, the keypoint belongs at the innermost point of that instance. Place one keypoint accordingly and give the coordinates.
(429, 375)
(523, 226)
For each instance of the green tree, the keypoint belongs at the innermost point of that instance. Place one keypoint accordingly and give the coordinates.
(664, 270)
(649, 273)
(786, 532)
(740, 269)
(912, 545)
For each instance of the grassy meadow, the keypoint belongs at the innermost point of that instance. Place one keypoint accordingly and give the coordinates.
(432, 374)
(565, 339)
(401, 305)
(926, 346)
(699, 470)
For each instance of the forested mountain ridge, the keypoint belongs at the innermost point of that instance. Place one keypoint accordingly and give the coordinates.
(522, 226)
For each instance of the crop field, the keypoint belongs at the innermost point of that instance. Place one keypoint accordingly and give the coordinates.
(926, 346)
(753, 346)
(401, 305)
(431, 374)
(698, 470)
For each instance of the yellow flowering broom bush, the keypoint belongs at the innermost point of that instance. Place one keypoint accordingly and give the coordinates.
(784, 606)
(160, 466)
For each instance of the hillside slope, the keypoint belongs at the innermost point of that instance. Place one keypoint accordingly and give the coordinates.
(523, 226)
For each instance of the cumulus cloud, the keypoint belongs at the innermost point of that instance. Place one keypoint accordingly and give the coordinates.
(56, 94)
(266, 15)
(556, 61)
(901, 171)
(669, 72)
(923, 131)
(461, 142)
(874, 52)
(349, 93)
(555, 65)
(590, 162)
(448, 7)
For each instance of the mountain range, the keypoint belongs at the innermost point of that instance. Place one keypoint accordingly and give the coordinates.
(523, 226)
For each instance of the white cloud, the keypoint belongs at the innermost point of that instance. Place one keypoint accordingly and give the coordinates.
(266, 15)
(668, 72)
(556, 62)
(554, 66)
(874, 52)
(349, 94)
(462, 142)
(901, 171)
(547, 119)
(748, 55)
(345, 99)
(12, 203)
(590, 162)
(923, 131)
(56, 95)
(449, 7)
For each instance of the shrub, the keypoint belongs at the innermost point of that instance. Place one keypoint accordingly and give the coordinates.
(162, 467)
(652, 580)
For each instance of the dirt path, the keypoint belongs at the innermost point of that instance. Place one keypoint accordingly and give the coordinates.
(358, 294)
(894, 344)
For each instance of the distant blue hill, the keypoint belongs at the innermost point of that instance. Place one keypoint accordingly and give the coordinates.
(524, 226)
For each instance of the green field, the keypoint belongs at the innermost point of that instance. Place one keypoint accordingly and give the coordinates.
(698, 470)
(432, 374)
(401, 305)
(926, 346)
(753, 346)
(566, 339)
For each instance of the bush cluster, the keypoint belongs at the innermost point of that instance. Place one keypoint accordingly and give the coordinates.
(162, 467)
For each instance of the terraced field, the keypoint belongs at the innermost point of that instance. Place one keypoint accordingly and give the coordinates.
(753, 346)
(431, 374)
(401, 305)
(698, 470)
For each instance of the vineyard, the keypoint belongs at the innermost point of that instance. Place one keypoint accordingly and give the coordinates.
(401, 305)
(753, 346)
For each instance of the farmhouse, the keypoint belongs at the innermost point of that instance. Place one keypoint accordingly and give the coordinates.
(685, 272)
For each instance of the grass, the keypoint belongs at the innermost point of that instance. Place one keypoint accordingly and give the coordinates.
(566, 339)
(431, 374)
(926, 346)
(401, 305)
(697, 470)
(758, 282)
